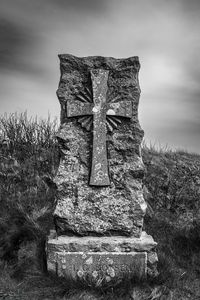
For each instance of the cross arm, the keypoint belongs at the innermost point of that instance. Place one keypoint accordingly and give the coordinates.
(77, 108)
(120, 109)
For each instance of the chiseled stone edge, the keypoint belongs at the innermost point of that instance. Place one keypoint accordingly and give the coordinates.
(101, 244)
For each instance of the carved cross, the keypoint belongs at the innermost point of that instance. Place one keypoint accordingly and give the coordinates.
(105, 114)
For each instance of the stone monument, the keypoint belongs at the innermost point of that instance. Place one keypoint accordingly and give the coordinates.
(100, 205)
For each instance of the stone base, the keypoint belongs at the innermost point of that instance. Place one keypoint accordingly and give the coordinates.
(101, 260)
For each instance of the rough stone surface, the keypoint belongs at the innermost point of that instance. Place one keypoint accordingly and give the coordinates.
(123, 251)
(102, 244)
(98, 268)
(117, 208)
(152, 260)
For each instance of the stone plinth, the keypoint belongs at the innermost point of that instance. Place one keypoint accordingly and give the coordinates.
(102, 260)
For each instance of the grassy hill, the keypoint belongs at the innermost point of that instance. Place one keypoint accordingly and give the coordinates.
(29, 158)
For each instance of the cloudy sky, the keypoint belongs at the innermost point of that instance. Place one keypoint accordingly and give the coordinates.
(165, 34)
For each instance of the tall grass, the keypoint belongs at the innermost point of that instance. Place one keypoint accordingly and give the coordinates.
(29, 157)
(28, 161)
(28, 137)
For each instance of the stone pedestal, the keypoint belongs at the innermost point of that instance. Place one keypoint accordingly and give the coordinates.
(100, 205)
(101, 260)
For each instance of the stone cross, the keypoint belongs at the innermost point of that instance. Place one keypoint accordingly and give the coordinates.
(101, 109)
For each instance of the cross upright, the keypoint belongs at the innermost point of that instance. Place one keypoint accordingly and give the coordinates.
(99, 108)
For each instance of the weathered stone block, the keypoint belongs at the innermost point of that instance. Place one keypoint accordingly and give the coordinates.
(152, 260)
(65, 243)
(99, 179)
(92, 258)
(98, 267)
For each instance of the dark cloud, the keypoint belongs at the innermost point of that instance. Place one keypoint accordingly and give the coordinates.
(191, 5)
(24, 28)
(46, 7)
(16, 46)
(81, 5)
(14, 42)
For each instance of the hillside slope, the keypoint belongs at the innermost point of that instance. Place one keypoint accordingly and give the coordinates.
(29, 157)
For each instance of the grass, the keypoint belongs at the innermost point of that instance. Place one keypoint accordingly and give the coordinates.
(29, 158)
